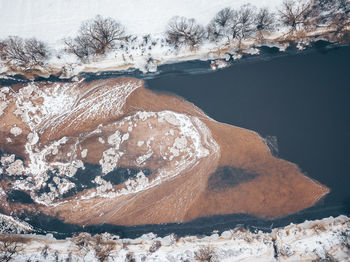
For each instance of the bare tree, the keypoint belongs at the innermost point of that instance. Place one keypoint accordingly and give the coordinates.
(13, 50)
(184, 32)
(102, 33)
(45, 251)
(241, 24)
(79, 46)
(233, 24)
(265, 22)
(25, 53)
(36, 51)
(103, 248)
(2, 46)
(218, 27)
(295, 14)
(333, 13)
(341, 19)
(246, 19)
(96, 36)
(9, 247)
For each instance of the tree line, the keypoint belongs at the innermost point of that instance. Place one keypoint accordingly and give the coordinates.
(101, 35)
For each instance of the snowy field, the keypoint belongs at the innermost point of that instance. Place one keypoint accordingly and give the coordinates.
(52, 20)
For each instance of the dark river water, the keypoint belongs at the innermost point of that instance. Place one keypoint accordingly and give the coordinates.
(303, 100)
(300, 98)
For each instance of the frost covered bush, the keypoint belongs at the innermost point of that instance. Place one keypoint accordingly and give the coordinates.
(95, 37)
(101, 246)
(24, 53)
(206, 254)
(155, 246)
(184, 31)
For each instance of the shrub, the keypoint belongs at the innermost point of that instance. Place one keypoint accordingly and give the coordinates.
(130, 257)
(246, 27)
(206, 254)
(155, 246)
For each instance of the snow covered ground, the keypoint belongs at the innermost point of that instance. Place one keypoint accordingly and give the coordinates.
(326, 239)
(52, 20)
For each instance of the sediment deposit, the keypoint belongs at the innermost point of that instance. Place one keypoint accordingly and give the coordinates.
(196, 166)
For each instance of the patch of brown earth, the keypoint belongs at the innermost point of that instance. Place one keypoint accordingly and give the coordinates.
(236, 173)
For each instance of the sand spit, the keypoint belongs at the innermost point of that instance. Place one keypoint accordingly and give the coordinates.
(199, 167)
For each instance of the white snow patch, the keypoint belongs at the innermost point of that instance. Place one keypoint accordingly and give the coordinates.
(115, 139)
(125, 137)
(16, 131)
(15, 168)
(110, 159)
(7, 159)
(101, 140)
(84, 153)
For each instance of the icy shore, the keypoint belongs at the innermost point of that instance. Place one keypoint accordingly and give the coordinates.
(328, 238)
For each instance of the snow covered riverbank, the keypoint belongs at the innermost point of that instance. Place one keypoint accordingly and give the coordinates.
(146, 22)
(328, 238)
(54, 21)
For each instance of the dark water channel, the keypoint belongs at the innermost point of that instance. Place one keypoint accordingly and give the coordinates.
(303, 100)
